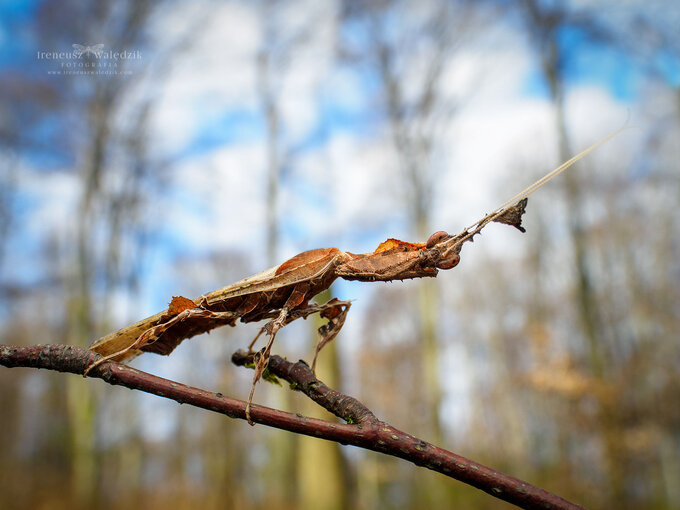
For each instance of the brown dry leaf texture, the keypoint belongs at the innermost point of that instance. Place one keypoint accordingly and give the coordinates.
(513, 215)
(332, 312)
(391, 244)
(307, 258)
(179, 304)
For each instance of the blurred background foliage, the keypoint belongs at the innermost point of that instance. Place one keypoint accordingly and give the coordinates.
(241, 133)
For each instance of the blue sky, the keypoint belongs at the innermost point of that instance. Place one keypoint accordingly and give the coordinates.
(341, 187)
(342, 184)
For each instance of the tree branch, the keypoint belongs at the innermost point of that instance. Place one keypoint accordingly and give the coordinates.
(363, 430)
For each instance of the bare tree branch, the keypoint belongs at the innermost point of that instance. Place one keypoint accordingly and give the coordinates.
(363, 430)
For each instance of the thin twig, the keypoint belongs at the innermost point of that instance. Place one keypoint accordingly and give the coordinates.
(366, 431)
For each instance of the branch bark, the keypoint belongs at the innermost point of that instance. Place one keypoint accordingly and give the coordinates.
(363, 429)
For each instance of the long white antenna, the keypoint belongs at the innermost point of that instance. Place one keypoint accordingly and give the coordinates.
(551, 175)
(475, 228)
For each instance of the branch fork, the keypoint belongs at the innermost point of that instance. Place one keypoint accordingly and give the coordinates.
(363, 429)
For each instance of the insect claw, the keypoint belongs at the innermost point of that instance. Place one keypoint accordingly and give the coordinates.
(103, 359)
(91, 366)
(250, 421)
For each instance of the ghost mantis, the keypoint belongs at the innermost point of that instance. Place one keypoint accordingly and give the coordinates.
(282, 294)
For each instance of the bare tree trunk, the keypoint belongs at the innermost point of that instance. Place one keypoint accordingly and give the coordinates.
(546, 23)
(272, 140)
(7, 185)
(301, 482)
(81, 401)
(587, 302)
(323, 472)
(416, 121)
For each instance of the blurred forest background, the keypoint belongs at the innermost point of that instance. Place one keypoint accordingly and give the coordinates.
(241, 133)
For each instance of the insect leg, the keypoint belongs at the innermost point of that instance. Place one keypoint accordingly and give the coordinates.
(149, 336)
(262, 329)
(109, 357)
(152, 334)
(336, 313)
(296, 298)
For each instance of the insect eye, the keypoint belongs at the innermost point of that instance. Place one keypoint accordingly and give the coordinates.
(435, 238)
(450, 263)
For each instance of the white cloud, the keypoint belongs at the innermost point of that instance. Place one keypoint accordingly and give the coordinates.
(354, 182)
(215, 74)
(348, 186)
(351, 183)
(218, 73)
(53, 197)
(218, 198)
(343, 91)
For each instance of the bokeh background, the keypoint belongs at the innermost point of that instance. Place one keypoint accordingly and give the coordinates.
(233, 135)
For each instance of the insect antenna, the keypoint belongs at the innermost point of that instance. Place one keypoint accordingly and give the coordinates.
(469, 233)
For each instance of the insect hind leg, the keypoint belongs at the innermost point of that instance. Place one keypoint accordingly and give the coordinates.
(108, 357)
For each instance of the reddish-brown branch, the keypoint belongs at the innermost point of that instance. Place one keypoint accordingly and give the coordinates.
(301, 378)
(366, 431)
